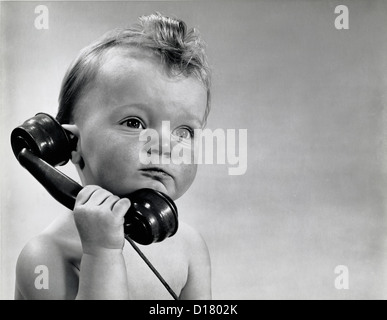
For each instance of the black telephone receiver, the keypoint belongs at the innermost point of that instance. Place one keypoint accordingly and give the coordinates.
(41, 143)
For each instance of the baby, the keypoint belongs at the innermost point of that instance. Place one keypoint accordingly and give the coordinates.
(130, 81)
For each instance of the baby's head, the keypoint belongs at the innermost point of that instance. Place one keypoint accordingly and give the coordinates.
(129, 81)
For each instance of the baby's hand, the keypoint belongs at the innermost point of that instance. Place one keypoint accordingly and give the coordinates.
(99, 217)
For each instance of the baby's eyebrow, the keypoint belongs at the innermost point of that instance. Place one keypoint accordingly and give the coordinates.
(123, 109)
(189, 117)
(193, 122)
(137, 105)
(193, 119)
(198, 123)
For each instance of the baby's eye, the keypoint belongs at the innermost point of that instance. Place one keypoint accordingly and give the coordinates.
(133, 123)
(183, 133)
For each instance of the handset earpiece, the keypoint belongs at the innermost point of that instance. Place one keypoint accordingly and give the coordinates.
(41, 143)
(45, 138)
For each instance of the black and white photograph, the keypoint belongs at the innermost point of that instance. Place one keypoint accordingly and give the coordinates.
(193, 150)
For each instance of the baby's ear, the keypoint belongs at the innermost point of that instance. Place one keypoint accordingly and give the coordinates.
(73, 133)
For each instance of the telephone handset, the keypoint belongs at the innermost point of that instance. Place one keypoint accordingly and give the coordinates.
(41, 143)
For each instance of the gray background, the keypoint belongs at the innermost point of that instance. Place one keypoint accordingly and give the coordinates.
(313, 100)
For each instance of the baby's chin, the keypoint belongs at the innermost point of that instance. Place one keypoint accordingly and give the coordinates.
(158, 186)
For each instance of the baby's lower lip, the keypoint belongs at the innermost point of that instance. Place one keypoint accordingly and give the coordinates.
(154, 173)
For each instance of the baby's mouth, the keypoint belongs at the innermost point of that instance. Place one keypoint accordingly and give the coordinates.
(156, 173)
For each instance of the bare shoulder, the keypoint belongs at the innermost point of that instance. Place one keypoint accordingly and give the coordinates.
(47, 269)
(198, 284)
(191, 239)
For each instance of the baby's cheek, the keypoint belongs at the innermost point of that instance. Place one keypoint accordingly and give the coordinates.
(187, 173)
(116, 161)
(121, 160)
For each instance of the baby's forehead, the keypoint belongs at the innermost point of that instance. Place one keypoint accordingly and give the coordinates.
(122, 63)
(133, 76)
(134, 68)
(127, 57)
(119, 65)
(132, 58)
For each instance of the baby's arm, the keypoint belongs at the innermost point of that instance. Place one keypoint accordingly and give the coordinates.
(99, 217)
(198, 284)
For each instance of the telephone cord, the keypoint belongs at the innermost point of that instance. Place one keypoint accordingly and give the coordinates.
(158, 275)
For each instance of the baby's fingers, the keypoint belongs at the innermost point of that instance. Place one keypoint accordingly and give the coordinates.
(85, 194)
(121, 207)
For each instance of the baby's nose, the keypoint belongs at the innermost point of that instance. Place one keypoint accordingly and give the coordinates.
(165, 144)
(162, 141)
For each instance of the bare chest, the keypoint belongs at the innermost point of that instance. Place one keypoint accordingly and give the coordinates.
(170, 263)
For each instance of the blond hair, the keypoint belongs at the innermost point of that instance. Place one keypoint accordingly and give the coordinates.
(180, 50)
